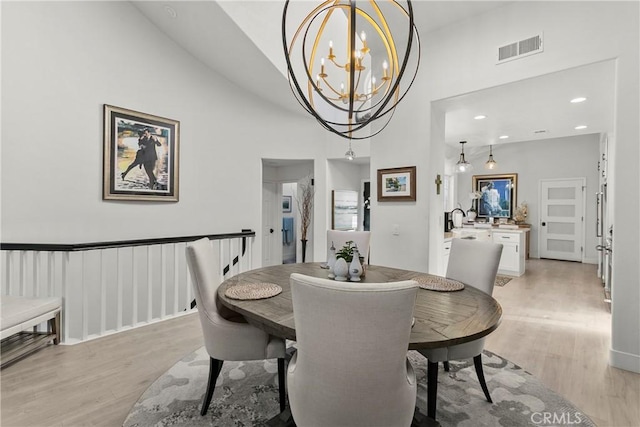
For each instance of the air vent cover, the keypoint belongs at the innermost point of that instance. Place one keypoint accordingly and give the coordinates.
(520, 49)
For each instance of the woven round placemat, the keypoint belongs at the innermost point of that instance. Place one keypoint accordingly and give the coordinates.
(253, 291)
(438, 283)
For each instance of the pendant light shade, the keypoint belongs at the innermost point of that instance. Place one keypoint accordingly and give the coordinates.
(350, 155)
(491, 164)
(463, 166)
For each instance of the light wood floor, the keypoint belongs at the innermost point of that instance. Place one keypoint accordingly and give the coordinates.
(555, 325)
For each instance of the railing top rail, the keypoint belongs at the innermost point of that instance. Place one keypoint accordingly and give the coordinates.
(73, 247)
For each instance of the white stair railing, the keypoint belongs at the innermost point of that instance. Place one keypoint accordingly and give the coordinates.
(114, 286)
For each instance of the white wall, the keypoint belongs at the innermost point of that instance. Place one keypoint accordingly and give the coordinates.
(460, 59)
(571, 157)
(61, 62)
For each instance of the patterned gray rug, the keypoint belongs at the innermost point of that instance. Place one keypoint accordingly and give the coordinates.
(247, 395)
(502, 280)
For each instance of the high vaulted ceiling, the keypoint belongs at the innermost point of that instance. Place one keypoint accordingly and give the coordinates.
(241, 40)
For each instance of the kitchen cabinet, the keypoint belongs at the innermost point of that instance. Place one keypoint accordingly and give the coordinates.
(512, 261)
(446, 249)
(513, 258)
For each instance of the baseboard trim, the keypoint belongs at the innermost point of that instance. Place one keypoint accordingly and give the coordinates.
(590, 261)
(626, 361)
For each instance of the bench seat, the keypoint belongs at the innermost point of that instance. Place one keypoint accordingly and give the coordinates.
(19, 314)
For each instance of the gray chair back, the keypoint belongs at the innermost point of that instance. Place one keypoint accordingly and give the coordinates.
(474, 263)
(350, 368)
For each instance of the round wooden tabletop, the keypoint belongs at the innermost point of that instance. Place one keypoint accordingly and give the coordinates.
(441, 318)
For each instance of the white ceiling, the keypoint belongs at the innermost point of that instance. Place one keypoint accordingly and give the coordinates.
(522, 110)
(204, 29)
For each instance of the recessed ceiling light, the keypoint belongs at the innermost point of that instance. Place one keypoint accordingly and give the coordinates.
(580, 127)
(170, 11)
(577, 100)
(480, 117)
(503, 136)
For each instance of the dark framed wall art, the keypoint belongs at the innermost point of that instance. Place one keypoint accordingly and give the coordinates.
(141, 153)
(397, 184)
(498, 195)
(286, 204)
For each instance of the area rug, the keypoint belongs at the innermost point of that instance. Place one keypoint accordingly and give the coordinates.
(502, 280)
(247, 395)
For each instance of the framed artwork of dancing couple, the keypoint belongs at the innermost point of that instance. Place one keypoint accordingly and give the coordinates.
(141, 153)
(497, 195)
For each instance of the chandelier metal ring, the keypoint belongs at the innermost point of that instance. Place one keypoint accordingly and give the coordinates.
(364, 101)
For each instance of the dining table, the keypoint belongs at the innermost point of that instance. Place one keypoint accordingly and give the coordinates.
(441, 318)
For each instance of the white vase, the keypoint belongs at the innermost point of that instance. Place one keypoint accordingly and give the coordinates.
(355, 269)
(471, 215)
(341, 270)
(331, 261)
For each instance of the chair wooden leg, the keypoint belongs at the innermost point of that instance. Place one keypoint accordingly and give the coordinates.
(477, 361)
(446, 365)
(215, 366)
(281, 386)
(432, 388)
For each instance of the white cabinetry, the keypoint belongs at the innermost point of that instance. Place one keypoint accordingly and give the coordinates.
(512, 261)
(446, 249)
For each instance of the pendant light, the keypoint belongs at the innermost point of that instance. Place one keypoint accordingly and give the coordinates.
(463, 166)
(350, 155)
(491, 164)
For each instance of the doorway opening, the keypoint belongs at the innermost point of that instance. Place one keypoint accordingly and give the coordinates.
(280, 216)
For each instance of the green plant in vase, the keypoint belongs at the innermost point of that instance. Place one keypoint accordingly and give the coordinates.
(346, 252)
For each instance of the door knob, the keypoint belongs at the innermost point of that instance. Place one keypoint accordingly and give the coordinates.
(271, 230)
(544, 223)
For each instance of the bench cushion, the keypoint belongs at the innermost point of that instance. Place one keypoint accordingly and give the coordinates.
(18, 311)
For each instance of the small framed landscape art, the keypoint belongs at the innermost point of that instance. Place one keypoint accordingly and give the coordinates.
(497, 195)
(286, 204)
(397, 184)
(141, 154)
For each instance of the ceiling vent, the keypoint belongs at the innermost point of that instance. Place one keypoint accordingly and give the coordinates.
(520, 49)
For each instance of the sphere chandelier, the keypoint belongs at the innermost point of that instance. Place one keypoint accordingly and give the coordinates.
(350, 65)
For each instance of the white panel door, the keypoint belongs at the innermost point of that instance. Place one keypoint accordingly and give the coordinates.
(561, 219)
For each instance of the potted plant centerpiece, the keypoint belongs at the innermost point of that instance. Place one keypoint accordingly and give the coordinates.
(346, 253)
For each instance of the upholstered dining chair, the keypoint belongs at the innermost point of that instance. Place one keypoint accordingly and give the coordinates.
(351, 367)
(360, 238)
(474, 263)
(227, 336)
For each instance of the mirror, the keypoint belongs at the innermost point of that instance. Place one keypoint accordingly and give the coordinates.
(344, 210)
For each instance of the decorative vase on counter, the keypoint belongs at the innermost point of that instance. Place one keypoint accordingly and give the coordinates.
(471, 215)
(341, 270)
(355, 269)
(331, 261)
